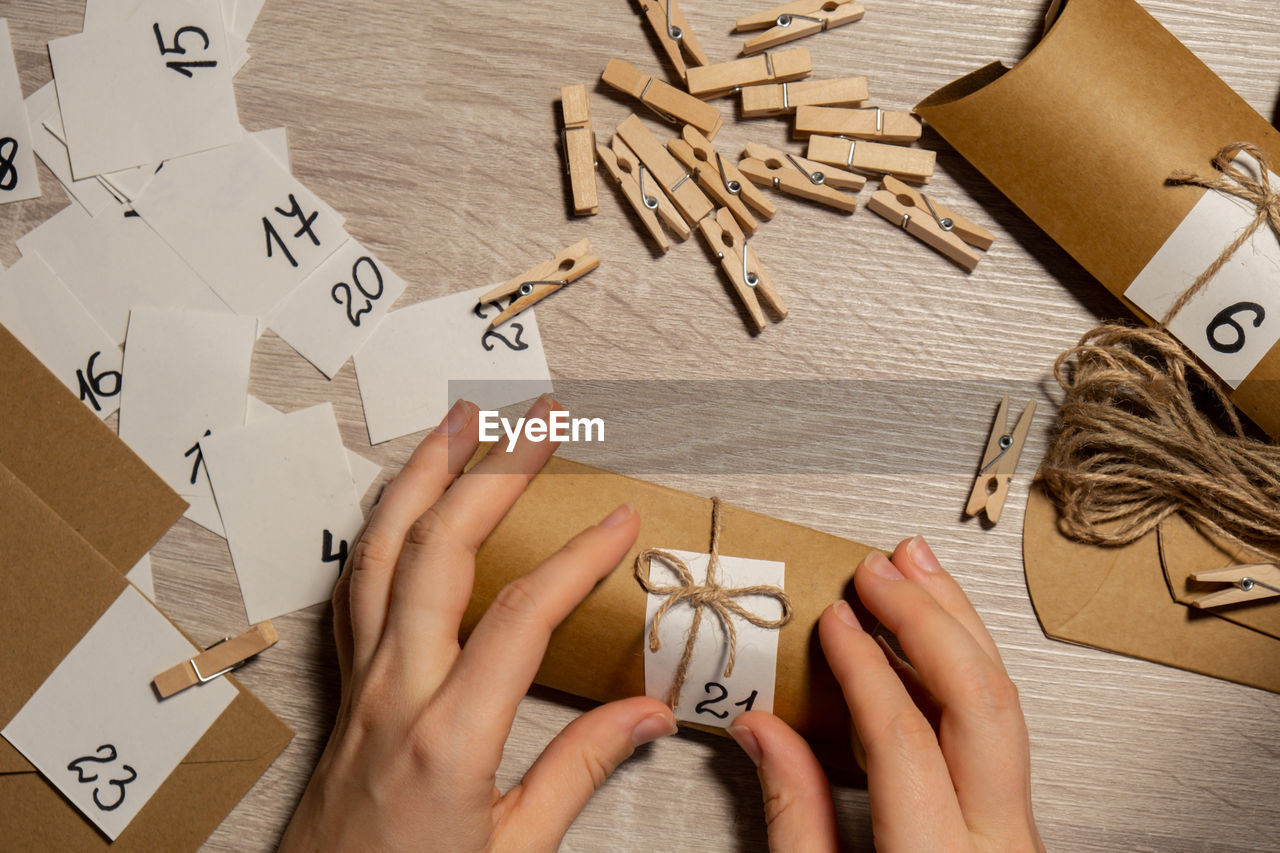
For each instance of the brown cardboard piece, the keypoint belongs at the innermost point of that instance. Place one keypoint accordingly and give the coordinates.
(1082, 133)
(1184, 550)
(1117, 599)
(598, 651)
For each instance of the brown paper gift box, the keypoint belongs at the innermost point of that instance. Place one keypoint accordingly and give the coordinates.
(1082, 133)
(598, 652)
(78, 510)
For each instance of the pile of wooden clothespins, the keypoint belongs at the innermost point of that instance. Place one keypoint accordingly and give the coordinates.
(687, 183)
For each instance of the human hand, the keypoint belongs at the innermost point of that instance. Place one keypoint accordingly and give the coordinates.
(412, 759)
(943, 739)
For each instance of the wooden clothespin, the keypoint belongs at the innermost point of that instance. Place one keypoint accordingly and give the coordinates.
(774, 99)
(668, 102)
(740, 264)
(674, 34)
(869, 123)
(578, 142)
(1248, 583)
(930, 222)
(649, 200)
(909, 164)
(689, 200)
(991, 486)
(721, 179)
(537, 283)
(712, 81)
(796, 20)
(802, 178)
(217, 660)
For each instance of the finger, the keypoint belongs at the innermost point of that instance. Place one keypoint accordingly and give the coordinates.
(574, 766)
(797, 795)
(913, 806)
(432, 587)
(917, 561)
(911, 682)
(982, 731)
(435, 464)
(503, 653)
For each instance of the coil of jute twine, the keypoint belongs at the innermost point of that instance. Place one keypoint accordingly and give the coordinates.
(1131, 445)
(709, 595)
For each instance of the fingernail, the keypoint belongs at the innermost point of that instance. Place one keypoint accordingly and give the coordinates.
(618, 516)
(845, 612)
(548, 401)
(747, 740)
(653, 727)
(879, 564)
(920, 551)
(456, 419)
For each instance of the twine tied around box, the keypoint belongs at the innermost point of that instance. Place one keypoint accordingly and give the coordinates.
(708, 595)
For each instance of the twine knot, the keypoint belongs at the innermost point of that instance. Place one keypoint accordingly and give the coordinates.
(708, 595)
(1235, 181)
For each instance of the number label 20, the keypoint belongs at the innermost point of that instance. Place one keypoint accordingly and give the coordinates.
(353, 316)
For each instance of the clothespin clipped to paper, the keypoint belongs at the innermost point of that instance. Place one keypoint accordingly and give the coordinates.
(930, 222)
(674, 34)
(721, 179)
(578, 141)
(713, 81)
(217, 660)
(1004, 447)
(775, 99)
(671, 105)
(802, 178)
(860, 155)
(796, 20)
(673, 177)
(537, 283)
(740, 264)
(864, 123)
(646, 197)
(1248, 583)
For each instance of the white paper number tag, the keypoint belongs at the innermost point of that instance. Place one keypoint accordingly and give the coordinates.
(97, 730)
(1235, 319)
(18, 179)
(707, 696)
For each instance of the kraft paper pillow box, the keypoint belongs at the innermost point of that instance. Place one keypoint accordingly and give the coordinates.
(1082, 134)
(79, 510)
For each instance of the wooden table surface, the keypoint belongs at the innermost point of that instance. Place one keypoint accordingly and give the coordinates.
(432, 126)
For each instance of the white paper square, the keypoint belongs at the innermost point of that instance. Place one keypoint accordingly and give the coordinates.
(42, 109)
(331, 314)
(140, 576)
(1250, 278)
(363, 472)
(405, 368)
(18, 177)
(48, 319)
(114, 262)
(135, 93)
(707, 696)
(282, 484)
(100, 696)
(191, 374)
(224, 210)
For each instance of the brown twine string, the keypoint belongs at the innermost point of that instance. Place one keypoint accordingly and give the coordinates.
(1235, 181)
(709, 595)
(1132, 447)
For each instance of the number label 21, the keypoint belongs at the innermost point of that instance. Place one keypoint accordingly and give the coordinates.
(718, 693)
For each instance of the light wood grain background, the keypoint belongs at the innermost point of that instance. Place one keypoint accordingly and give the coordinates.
(432, 126)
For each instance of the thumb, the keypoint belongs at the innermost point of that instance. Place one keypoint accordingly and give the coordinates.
(577, 762)
(797, 795)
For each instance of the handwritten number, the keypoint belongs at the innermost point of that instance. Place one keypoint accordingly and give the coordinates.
(1226, 317)
(96, 759)
(328, 556)
(99, 758)
(518, 345)
(701, 707)
(370, 298)
(199, 460)
(118, 784)
(748, 702)
(272, 234)
(8, 171)
(91, 384)
(306, 220)
(183, 67)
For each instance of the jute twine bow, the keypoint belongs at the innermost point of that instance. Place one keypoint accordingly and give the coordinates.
(1237, 182)
(708, 595)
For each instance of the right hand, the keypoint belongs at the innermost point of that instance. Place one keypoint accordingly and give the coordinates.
(943, 739)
